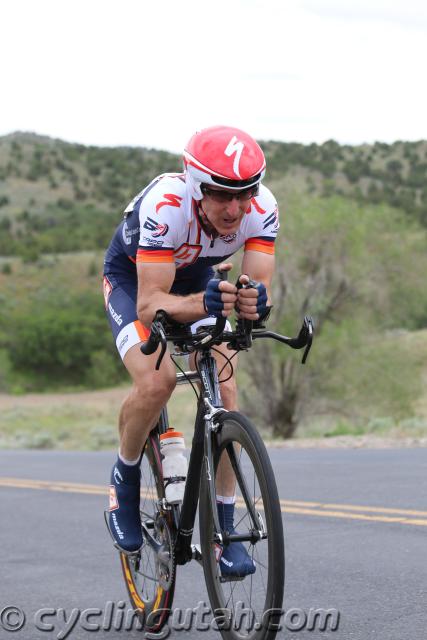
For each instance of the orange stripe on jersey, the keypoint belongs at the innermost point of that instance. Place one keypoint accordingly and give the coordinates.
(142, 331)
(165, 255)
(256, 244)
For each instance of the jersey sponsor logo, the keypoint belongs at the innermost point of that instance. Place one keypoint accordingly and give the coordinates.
(172, 200)
(157, 228)
(228, 238)
(107, 288)
(150, 224)
(152, 243)
(272, 220)
(186, 254)
(234, 146)
(122, 343)
(161, 230)
(256, 206)
(128, 233)
(117, 317)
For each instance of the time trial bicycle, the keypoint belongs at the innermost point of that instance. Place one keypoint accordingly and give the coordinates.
(168, 528)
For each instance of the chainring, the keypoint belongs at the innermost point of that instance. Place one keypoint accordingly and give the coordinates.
(165, 558)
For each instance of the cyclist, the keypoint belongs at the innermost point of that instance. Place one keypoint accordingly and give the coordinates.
(161, 257)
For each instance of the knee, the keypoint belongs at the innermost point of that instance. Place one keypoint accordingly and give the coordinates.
(155, 389)
(229, 393)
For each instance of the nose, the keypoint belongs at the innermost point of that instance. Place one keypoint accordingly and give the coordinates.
(233, 206)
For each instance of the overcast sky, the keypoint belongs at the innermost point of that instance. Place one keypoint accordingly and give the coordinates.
(133, 72)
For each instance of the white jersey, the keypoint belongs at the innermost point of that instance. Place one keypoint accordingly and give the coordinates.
(170, 229)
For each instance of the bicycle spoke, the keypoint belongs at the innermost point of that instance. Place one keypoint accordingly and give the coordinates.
(146, 575)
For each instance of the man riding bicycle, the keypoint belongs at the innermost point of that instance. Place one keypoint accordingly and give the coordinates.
(161, 257)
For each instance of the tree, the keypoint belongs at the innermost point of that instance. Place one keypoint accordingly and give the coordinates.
(346, 265)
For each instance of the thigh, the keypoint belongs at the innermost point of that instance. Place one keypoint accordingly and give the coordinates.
(129, 333)
(120, 305)
(226, 361)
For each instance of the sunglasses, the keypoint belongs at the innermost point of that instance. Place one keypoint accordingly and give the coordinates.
(227, 196)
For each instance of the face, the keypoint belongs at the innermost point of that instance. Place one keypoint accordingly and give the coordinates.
(225, 215)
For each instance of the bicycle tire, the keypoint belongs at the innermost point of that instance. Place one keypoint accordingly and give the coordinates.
(152, 602)
(267, 583)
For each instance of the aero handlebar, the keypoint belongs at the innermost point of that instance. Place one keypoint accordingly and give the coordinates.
(164, 328)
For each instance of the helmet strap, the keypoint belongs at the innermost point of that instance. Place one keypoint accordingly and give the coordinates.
(207, 224)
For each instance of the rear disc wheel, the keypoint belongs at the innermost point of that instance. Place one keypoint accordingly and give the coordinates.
(150, 576)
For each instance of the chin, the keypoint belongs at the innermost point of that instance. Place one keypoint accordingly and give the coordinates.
(227, 230)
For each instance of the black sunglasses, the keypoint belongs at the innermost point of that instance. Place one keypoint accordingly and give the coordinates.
(227, 196)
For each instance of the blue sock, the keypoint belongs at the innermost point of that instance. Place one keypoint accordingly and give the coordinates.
(130, 474)
(226, 516)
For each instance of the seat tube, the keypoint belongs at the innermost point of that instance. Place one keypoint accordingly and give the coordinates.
(163, 422)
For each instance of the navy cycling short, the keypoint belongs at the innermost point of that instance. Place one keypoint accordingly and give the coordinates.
(120, 294)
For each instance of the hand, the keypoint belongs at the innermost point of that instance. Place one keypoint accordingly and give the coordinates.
(220, 296)
(251, 301)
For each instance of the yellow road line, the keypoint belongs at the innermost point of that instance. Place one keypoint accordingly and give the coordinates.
(346, 511)
(49, 485)
(288, 504)
(357, 516)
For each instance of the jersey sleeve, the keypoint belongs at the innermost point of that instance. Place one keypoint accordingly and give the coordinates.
(159, 214)
(263, 223)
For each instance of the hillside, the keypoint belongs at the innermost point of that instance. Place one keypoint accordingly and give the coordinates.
(352, 254)
(49, 187)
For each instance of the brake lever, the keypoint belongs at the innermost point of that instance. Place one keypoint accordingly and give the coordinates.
(308, 329)
(219, 325)
(246, 326)
(164, 343)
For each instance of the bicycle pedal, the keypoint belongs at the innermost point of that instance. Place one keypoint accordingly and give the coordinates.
(231, 578)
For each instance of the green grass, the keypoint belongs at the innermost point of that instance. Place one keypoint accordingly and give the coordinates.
(57, 423)
(91, 424)
(382, 427)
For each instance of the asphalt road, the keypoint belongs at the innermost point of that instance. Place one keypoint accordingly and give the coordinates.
(355, 533)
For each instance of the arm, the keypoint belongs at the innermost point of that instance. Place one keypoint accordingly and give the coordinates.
(260, 267)
(154, 284)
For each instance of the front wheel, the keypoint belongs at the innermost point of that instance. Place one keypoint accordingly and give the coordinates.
(246, 608)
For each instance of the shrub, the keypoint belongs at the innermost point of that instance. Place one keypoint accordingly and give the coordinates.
(6, 269)
(65, 339)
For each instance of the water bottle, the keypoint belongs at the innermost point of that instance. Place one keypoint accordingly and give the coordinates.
(172, 448)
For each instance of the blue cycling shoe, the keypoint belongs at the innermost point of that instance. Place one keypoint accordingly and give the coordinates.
(235, 562)
(124, 521)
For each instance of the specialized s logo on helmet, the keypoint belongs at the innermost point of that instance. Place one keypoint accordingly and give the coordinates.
(234, 146)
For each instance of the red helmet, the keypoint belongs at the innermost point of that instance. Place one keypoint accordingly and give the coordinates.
(225, 157)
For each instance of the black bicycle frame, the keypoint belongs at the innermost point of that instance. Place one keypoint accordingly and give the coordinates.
(210, 393)
(210, 407)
